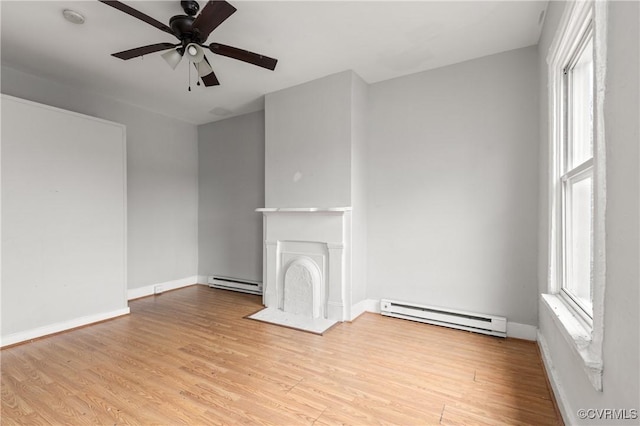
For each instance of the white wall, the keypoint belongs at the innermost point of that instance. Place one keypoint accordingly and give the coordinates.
(162, 170)
(452, 186)
(64, 219)
(308, 144)
(231, 169)
(315, 156)
(621, 314)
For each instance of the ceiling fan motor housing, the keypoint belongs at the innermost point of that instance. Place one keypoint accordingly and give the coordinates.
(182, 26)
(190, 7)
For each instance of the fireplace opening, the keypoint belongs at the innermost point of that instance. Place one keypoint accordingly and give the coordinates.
(302, 287)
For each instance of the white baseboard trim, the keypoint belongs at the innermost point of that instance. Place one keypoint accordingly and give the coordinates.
(203, 279)
(136, 293)
(522, 331)
(46, 330)
(366, 305)
(556, 384)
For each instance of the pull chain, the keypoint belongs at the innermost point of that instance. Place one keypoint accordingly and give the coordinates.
(189, 76)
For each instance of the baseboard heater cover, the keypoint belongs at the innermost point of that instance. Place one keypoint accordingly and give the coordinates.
(479, 323)
(235, 284)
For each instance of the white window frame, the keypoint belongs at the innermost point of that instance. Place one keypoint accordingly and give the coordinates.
(583, 332)
(569, 174)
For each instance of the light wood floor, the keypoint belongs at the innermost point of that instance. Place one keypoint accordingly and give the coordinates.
(189, 357)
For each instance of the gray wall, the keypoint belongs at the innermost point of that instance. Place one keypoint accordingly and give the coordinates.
(231, 165)
(452, 187)
(622, 135)
(359, 109)
(308, 144)
(63, 217)
(162, 177)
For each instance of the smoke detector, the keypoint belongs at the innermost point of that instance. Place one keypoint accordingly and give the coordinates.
(73, 16)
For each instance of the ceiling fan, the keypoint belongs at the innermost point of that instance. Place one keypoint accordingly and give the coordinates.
(192, 31)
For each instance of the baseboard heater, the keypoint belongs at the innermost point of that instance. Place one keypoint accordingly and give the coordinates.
(235, 284)
(479, 323)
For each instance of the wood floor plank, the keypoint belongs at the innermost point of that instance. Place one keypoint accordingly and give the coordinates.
(191, 357)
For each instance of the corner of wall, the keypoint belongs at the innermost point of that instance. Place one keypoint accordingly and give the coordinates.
(366, 305)
(158, 288)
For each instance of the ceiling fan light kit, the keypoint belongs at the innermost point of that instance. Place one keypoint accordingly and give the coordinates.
(203, 68)
(192, 32)
(194, 53)
(172, 57)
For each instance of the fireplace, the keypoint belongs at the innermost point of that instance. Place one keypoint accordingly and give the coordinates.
(306, 262)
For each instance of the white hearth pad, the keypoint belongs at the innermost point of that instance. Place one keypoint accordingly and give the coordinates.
(299, 322)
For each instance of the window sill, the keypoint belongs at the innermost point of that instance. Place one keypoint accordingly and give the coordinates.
(578, 336)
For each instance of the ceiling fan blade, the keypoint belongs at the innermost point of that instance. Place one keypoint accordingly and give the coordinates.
(244, 55)
(213, 14)
(137, 14)
(209, 79)
(144, 50)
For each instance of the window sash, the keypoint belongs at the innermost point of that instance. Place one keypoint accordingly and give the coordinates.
(577, 175)
(567, 160)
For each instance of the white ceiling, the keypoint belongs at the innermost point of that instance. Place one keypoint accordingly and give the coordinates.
(379, 40)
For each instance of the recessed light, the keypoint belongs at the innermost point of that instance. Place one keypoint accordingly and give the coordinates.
(73, 16)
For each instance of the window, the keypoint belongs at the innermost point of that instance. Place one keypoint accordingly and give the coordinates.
(577, 195)
(576, 177)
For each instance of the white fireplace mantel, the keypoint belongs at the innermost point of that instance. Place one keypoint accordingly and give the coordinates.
(317, 234)
(303, 209)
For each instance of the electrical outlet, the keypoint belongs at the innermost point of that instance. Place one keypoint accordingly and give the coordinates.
(158, 289)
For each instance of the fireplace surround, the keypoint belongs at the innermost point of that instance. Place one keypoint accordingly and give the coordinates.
(306, 261)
